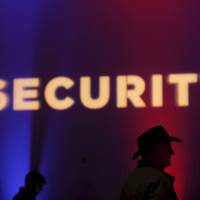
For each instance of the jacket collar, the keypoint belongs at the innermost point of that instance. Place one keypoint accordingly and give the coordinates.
(146, 163)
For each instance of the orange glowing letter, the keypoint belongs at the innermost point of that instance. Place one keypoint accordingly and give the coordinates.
(157, 90)
(50, 93)
(104, 92)
(133, 94)
(182, 82)
(4, 100)
(24, 94)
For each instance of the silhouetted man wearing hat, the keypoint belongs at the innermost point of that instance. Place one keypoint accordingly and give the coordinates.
(149, 181)
(34, 182)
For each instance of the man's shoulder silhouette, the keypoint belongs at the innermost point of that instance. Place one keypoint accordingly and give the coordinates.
(23, 195)
(146, 180)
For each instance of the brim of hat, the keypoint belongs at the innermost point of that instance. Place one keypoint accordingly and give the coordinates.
(174, 139)
(171, 138)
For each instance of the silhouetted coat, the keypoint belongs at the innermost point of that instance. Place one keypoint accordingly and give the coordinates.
(23, 195)
(147, 182)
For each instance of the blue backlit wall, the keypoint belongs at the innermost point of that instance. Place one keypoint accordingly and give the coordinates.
(17, 60)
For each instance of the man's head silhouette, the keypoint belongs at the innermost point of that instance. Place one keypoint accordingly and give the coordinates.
(154, 145)
(34, 182)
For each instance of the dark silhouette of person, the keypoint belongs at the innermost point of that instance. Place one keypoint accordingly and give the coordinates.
(149, 181)
(34, 183)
